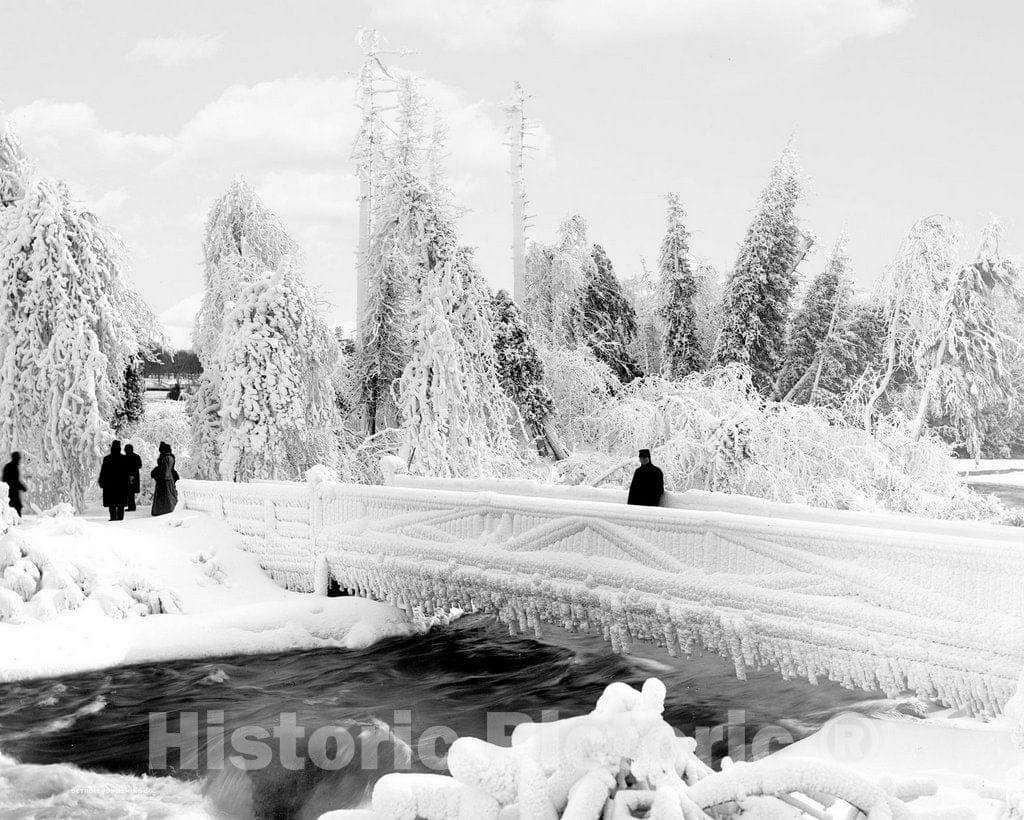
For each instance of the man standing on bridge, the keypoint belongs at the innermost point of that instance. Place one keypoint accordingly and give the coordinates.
(648, 483)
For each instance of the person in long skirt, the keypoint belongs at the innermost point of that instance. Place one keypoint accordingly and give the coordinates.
(165, 496)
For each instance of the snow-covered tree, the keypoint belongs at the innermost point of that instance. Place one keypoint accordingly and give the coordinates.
(965, 350)
(243, 241)
(681, 348)
(910, 295)
(70, 327)
(556, 280)
(14, 168)
(456, 416)
(277, 398)
(608, 319)
(521, 371)
(817, 336)
(644, 292)
(130, 407)
(756, 303)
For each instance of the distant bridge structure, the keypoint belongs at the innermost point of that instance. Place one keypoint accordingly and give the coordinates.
(872, 601)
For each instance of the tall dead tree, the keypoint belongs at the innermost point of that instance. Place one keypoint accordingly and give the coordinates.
(519, 128)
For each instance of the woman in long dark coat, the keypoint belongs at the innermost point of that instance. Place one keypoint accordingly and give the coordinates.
(115, 482)
(165, 496)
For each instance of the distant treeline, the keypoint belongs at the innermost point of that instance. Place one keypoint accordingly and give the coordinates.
(181, 364)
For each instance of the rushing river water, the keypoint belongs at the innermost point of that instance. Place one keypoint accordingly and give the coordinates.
(451, 677)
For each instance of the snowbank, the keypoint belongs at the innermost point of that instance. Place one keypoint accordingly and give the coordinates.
(77, 594)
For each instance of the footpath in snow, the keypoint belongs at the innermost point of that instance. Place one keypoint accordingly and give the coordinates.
(77, 594)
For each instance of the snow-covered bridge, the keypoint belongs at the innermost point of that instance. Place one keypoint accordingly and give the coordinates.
(873, 601)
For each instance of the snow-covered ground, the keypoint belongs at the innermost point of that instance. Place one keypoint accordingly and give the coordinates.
(151, 589)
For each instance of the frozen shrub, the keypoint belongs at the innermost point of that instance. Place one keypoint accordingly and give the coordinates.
(713, 431)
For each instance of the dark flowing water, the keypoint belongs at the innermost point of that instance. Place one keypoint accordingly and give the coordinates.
(452, 677)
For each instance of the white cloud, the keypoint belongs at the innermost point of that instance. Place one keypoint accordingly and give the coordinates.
(802, 27)
(179, 319)
(173, 52)
(60, 131)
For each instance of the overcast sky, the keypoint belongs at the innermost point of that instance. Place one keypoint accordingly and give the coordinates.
(900, 109)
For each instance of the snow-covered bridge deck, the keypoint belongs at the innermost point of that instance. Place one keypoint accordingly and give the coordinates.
(876, 602)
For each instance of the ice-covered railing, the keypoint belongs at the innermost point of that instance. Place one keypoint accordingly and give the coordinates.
(723, 502)
(871, 607)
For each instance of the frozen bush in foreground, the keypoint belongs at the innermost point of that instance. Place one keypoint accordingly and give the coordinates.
(714, 432)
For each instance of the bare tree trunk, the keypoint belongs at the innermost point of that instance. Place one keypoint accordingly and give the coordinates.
(800, 382)
(517, 130)
(554, 441)
(927, 390)
(817, 381)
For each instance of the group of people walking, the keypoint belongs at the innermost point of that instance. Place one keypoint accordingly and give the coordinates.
(120, 480)
(120, 476)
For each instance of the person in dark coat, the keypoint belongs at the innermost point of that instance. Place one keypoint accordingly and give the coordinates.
(115, 482)
(648, 484)
(165, 495)
(134, 462)
(12, 478)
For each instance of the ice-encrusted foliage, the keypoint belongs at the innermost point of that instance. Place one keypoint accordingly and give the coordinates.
(756, 303)
(681, 348)
(242, 241)
(14, 168)
(70, 326)
(579, 385)
(277, 399)
(967, 372)
(715, 432)
(818, 339)
(609, 320)
(456, 416)
(910, 297)
(644, 292)
(519, 366)
(556, 280)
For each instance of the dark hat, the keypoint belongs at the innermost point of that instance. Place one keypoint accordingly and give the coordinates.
(645, 454)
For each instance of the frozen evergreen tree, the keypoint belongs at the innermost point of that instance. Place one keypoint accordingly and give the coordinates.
(70, 325)
(609, 319)
(456, 416)
(965, 350)
(521, 371)
(14, 168)
(243, 241)
(277, 397)
(817, 334)
(130, 407)
(681, 348)
(756, 303)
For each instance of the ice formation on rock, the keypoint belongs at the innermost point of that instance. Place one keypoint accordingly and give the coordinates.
(622, 761)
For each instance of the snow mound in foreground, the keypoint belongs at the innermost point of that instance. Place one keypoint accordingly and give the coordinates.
(623, 760)
(73, 593)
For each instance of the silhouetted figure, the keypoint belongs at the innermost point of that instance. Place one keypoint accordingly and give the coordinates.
(12, 478)
(115, 482)
(174, 394)
(648, 484)
(165, 495)
(134, 462)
